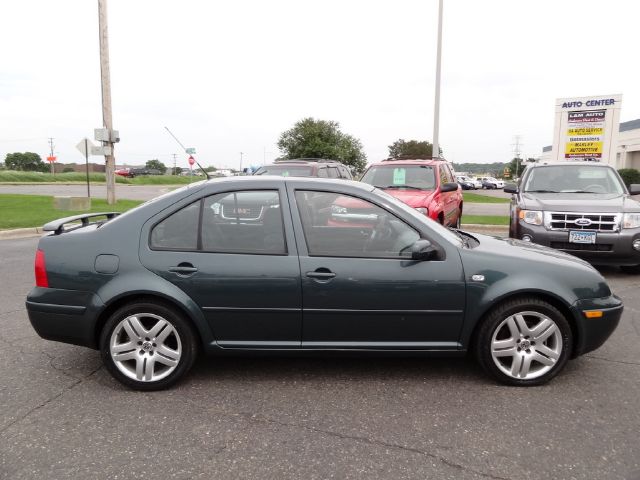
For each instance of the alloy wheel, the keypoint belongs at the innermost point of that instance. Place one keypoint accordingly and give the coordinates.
(526, 345)
(145, 347)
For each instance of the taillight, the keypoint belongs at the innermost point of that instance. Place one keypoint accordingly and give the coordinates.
(41, 270)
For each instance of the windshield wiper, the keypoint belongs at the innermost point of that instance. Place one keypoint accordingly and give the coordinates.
(541, 191)
(402, 186)
(580, 191)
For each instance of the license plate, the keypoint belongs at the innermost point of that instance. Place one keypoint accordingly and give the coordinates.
(582, 237)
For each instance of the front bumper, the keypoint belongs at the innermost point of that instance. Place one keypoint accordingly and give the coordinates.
(67, 316)
(611, 248)
(593, 332)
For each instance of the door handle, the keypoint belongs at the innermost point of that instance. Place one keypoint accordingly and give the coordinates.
(183, 269)
(321, 274)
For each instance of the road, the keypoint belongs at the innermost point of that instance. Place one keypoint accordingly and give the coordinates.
(63, 417)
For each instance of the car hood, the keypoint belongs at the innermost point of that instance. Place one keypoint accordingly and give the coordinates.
(532, 266)
(510, 248)
(413, 198)
(579, 202)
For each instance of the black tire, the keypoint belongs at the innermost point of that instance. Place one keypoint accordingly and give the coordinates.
(559, 342)
(632, 269)
(179, 340)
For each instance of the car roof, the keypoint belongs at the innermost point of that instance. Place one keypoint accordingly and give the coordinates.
(310, 181)
(561, 163)
(305, 161)
(410, 161)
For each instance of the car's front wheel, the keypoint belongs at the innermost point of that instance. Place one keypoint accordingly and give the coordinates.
(524, 342)
(147, 345)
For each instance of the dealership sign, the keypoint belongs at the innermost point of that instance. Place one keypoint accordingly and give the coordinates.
(586, 128)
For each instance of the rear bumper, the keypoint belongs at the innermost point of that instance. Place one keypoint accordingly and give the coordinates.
(67, 316)
(610, 248)
(593, 332)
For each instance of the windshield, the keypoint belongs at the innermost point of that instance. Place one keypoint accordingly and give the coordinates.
(285, 170)
(586, 178)
(402, 176)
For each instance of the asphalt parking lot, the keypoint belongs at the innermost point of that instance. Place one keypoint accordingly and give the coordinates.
(62, 416)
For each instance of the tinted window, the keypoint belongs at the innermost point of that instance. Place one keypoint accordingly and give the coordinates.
(343, 226)
(344, 173)
(178, 231)
(399, 176)
(332, 172)
(243, 222)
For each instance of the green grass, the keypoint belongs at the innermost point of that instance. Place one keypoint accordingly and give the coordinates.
(478, 198)
(21, 211)
(486, 219)
(8, 176)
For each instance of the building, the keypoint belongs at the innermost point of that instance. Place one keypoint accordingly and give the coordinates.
(627, 150)
(79, 167)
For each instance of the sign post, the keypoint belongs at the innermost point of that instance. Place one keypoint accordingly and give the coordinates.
(85, 147)
(191, 162)
(51, 159)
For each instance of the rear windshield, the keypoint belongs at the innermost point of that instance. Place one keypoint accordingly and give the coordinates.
(286, 170)
(399, 176)
(573, 179)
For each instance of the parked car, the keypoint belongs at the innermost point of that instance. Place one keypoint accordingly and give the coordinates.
(583, 208)
(124, 172)
(239, 265)
(491, 183)
(468, 183)
(307, 167)
(428, 185)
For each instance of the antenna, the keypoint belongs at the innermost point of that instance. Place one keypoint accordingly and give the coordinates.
(206, 174)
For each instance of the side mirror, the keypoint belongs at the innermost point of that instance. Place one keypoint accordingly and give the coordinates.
(422, 250)
(449, 187)
(634, 189)
(510, 188)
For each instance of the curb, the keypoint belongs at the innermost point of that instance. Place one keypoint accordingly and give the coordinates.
(482, 227)
(20, 233)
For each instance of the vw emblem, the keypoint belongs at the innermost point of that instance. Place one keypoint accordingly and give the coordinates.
(583, 222)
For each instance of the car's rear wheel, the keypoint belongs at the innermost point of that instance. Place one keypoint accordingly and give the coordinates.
(147, 345)
(634, 269)
(524, 342)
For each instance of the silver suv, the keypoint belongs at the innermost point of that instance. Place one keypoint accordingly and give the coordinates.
(582, 208)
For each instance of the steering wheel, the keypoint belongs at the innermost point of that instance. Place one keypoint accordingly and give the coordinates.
(596, 188)
(381, 231)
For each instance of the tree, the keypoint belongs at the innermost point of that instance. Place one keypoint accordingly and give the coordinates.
(516, 166)
(27, 161)
(156, 164)
(411, 148)
(310, 138)
(629, 176)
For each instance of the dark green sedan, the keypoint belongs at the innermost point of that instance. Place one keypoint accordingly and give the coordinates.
(293, 265)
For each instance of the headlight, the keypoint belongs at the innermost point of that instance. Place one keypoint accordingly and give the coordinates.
(631, 220)
(533, 217)
(424, 211)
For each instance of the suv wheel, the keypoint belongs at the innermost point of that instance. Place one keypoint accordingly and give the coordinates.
(524, 342)
(147, 346)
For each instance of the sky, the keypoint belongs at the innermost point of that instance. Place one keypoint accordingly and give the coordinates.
(230, 76)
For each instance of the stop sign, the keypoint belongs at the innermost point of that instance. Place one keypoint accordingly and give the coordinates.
(191, 160)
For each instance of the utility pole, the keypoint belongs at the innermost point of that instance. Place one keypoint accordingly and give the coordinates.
(174, 163)
(436, 107)
(516, 152)
(53, 171)
(107, 121)
(241, 154)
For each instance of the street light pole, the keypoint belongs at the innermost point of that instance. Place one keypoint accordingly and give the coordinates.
(436, 108)
(105, 79)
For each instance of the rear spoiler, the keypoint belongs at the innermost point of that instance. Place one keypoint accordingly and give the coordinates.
(57, 226)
